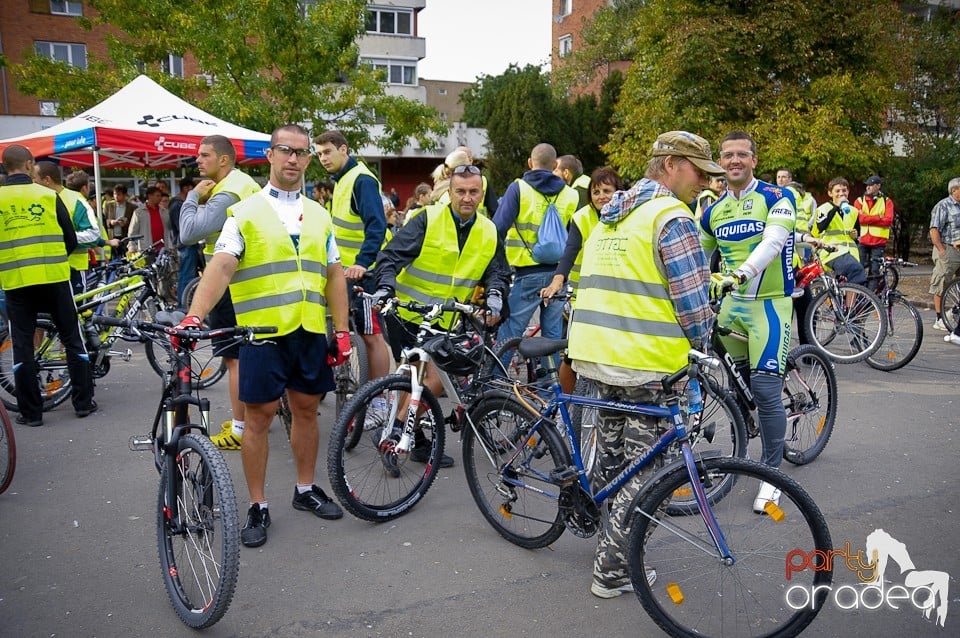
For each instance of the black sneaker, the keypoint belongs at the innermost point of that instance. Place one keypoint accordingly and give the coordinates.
(33, 423)
(87, 411)
(421, 454)
(254, 533)
(317, 502)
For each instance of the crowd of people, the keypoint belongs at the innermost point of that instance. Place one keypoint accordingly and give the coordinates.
(644, 262)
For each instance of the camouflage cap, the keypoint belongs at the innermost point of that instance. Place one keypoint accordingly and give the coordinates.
(693, 147)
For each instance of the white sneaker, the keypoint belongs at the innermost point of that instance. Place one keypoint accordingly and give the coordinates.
(766, 494)
(602, 591)
(377, 413)
(952, 338)
(939, 325)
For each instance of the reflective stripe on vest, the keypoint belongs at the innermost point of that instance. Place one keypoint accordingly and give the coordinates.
(241, 185)
(533, 204)
(274, 285)
(347, 224)
(624, 316)
(586, 219)
(32, 251)
(441, 271)
(878, 210)
(838, 234)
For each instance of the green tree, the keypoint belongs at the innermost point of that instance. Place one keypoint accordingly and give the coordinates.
(812, 81)
(272, 62)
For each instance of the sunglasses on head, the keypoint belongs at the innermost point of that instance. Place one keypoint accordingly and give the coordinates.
(466, 168)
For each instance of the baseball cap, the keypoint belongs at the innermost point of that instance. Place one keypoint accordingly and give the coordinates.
(873, 180)
(693, 147)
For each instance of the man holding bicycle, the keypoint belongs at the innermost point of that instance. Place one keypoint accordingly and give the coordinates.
(279, 257)
(752, 226)
(642, 303)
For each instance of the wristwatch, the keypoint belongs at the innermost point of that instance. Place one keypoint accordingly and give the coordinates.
(741, 276)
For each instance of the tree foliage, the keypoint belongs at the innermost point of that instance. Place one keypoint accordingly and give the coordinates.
(811, 81)
(272, 63)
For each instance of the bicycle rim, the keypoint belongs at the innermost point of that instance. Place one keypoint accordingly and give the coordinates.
(199, 535)
(53, 378)
(695, 592)
(8, 451)
(847, 330)
(904, 336)
(810, 401)
(350, 376)
(950, 304)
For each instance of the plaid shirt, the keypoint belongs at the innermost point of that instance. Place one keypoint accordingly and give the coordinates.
(945, 217)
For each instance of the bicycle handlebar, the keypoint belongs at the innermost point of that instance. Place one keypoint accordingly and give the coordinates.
(431, 311)
(183, 335)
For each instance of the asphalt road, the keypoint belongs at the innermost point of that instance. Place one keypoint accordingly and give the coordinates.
(78, 550)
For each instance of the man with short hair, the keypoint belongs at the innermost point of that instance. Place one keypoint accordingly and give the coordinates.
(518, 219)
(642, 303)
(150, 222)
(36, 238)
(945, 235)
(784, 176)
(202, 215)
(876, 217)
(278, 255)
(117, 213)
(570, 168)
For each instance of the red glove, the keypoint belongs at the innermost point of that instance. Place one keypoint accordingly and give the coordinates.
(190, 322)
(340, 350)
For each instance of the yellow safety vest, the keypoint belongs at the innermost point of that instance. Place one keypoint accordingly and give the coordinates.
(442, 271)
(275, 283)
(79, 259)
(701, 198)
(533, 205)
(624, 314)
(32, 251)
(586, 219)
(241, 185)
(347, 224)
(581, 182)
(878, 210)
(837, 233)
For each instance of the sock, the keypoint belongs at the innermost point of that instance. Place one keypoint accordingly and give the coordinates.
(303, 489)
(264, 505)
(238, 428)
(378, 403)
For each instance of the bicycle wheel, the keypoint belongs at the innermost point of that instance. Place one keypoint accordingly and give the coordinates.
(848, 326)
(8, 451)
(206, 370)
(697, 592)
(950, 305)
(371, 480)
(810, 400)
(189, 290)
(904, 335)
(350, 377)
(198, 535)
(508, 471)
(51, 360)
(891, 276)
(584, 421)
(518, 367)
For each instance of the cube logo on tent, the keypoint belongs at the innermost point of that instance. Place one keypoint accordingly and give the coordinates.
(162, 144)
(155, 122)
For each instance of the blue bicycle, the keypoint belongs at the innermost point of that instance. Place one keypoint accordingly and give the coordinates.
(720, 566)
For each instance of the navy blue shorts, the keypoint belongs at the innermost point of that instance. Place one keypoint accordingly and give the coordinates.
(297, 361)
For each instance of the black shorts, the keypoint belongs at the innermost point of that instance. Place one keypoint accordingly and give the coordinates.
(400, 334)
(297, 361)
(366, 320)
(222, 316)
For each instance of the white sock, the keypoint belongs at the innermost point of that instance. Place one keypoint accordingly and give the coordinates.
(264, 505)
(303, 489)
(238, 427)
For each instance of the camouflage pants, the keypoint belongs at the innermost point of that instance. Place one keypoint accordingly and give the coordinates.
(621, 436)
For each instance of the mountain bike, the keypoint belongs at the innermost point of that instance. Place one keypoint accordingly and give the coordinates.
(719, 566)
(904, 324)
(8, 450)
(198, 524)
(369, 460)
(846, 321)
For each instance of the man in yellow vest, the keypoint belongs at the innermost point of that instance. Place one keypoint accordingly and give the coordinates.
(278, 255)
(202, 215)
(835, 223)
(875, 213)
(360, 227)
(570, 168)
(443, 253)
(642, 303)
(518, 219)
(83, 217)
(36, 238)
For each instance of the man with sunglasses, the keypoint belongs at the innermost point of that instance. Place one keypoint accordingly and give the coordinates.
(202, 216)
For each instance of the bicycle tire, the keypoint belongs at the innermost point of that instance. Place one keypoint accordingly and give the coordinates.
(8, 451)
(848, 332)
(199, 563)
(810, 401)
(350, 377)
(518, 368)
(891, 277)
(584, 420)
(904, 335)
(214, 369)
(51, 361)
(950, 305)
(497, 434)
(188, 291)
(742, 598)
(360, 477)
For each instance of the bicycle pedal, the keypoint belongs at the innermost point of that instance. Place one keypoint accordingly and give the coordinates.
(564, 475)
(141, 443)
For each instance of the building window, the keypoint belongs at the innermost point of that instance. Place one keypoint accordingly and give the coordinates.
(398, 72)
(566, 7)
(72, 54)
(442, 91)
(63, 7)
(390, 21)
(49, 108)
(565, 46)
(172, 65)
